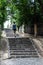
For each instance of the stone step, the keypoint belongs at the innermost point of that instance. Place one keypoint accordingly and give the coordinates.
(23, 53)
(30, 49)
(16, 49)
(24, 56)
(20, 43)
(22, 47)
(17, 46)
(14, 41)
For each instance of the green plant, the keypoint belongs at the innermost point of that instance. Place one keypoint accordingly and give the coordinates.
(3, 12)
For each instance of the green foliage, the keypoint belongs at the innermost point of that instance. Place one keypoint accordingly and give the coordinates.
(20, 11)
(3, 12)
(23, 11)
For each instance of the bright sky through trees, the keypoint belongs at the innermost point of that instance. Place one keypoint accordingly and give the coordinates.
(32, 0)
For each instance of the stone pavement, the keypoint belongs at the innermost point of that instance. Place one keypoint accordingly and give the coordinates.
(39, 43)
(26, 61)
(10, 34)
(23, 61)
(22, 48)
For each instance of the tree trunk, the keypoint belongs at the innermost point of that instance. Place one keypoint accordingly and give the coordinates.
(35, 29)
(41, 4)
(35, 20)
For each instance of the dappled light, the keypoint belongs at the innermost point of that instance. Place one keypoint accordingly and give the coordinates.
(21, 32)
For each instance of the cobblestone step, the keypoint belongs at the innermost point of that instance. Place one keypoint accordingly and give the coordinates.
(24, 56)
(22, 47)
(22, 50)
(23, 53)
(19, 48)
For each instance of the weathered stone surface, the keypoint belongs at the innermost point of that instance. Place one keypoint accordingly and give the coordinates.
(4, 49)
(22, 47)
(23, 61)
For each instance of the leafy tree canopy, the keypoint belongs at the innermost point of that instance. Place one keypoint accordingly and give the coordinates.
(3, 12)
(23, 11)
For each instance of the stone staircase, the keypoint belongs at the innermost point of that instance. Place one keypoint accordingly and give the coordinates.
(22, 48)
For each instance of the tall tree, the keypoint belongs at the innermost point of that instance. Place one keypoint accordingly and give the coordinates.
(41, 4)
(26, 12)
(37, 15)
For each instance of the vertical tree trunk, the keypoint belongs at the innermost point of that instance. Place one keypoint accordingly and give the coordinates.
(41, 4)
(35, 29)
(35, 20)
